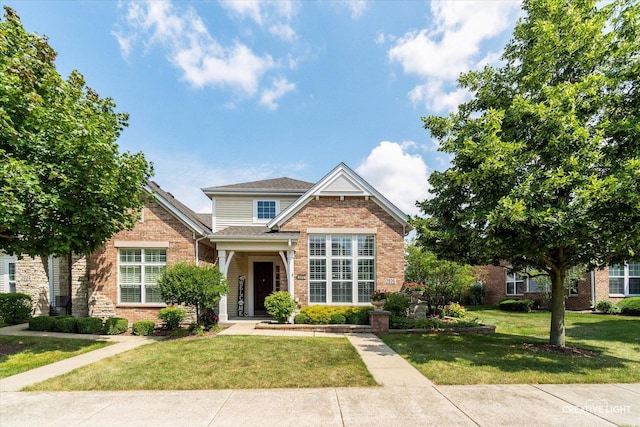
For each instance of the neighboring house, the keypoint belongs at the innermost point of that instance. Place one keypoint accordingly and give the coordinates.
(613, 283)
(332, 243)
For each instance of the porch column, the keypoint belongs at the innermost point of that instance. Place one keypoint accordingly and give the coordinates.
(223, 315)
(288, 266)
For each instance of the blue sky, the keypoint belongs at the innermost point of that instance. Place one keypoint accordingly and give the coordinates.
(222, 92)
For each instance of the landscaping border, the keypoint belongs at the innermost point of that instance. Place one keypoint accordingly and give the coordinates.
(355, 329)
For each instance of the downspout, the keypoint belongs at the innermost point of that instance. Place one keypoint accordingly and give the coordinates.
(593, 289)
(197, 246)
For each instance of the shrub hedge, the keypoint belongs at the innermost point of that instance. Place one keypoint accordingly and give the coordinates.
(630, 306)
(607, 307)
(300, 319)
(338, 319)
(321, 315)
(67, 324)
(89, 325)
(41, 323)
(15, 308)
(116, 326)
(143, 327)
(523, 305)
(172, 317)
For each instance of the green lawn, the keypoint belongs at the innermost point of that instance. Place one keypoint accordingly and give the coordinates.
(223, 362)
(20, 354)
(505, 358)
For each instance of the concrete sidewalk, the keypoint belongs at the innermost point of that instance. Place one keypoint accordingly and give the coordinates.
(406, 399)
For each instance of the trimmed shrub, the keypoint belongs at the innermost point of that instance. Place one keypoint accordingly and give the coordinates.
(523, 305)
(338, 319)
(300, 319)
(630, 306)
(67, 324)
(607, 307)
(397, 303)
(454, 310)
(280, 305)
(143, 327)
(89, 325)
(172, 316)
(41, 323)
(15, 308)
(116, 326)
(358, 315)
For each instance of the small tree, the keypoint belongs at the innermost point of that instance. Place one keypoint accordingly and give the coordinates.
(444, 280)
(193, 285)
(280, 305)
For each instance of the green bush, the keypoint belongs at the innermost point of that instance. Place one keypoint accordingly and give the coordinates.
(300, 319)
(280, 305)
(358, 315)
(116, 326)
(67, 324)
(630, 306)
(454, 309)
(143, 327)
(523, 305)
(337, 319)
(476, 294)
(608, 307)
(172, 317)
(41, 323)
(397, 303)
(89, 325)
(15, 308)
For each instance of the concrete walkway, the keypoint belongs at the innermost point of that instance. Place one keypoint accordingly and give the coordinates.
(406, 398)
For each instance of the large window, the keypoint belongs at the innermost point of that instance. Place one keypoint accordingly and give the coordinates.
(139, 272)
(264, 210)
(624, 279)
(341, 268)
(515, 283)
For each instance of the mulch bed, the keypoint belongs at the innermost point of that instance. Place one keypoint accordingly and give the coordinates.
(565, 351)
(7, 349)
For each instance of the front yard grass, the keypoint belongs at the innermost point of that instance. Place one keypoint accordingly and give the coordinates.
(223, 362)
(507, 357)
(20, 354)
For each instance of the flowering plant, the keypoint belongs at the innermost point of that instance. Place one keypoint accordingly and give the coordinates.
(379, 295)
(414, 287)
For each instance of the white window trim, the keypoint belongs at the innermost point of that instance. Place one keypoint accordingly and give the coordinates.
(329, 257)
(142, 264)
(257, 220)
(515, 283)
(626, 276)
(7, 283)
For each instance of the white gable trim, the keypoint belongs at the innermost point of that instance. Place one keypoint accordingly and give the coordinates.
(344, 182)
(175, 212)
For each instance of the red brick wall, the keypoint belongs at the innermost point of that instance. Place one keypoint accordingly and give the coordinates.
(352, 212)
(158, 226)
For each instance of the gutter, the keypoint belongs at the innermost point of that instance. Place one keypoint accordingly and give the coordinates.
(593, 289)
(197, 246)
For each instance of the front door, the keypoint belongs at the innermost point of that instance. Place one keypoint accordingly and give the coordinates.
(262, 285)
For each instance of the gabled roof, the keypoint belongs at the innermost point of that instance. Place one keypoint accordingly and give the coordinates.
(268, 186)
(196, 222)
(341, 181)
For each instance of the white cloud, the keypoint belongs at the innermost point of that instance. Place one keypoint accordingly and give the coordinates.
(279, 88)
(355, 7)
(273, 14)
(450, 46)
(191, 48)
(400, 176)
(283, 32)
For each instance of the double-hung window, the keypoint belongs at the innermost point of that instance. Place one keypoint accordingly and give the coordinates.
(624, 279)
(9, 274)
(515, 283)
(341, 268)
(139, 271)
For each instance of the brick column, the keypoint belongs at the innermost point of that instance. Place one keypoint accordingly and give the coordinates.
(379, 321)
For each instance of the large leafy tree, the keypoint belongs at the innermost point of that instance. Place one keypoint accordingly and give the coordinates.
(546, 166)
(64, 186)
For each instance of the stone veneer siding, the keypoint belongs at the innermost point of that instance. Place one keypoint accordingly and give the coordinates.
(352, 212)
(32, 278)
(158, 225)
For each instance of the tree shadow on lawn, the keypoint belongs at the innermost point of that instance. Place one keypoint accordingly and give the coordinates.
(10, 345)
(504, 352)
(617, 329)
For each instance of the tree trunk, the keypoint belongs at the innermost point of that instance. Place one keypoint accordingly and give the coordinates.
(556, 335)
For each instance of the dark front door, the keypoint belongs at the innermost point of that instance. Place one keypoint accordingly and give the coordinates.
(262, 285)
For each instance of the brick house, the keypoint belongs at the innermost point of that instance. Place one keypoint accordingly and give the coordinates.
(612, 283)
(332, 242)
